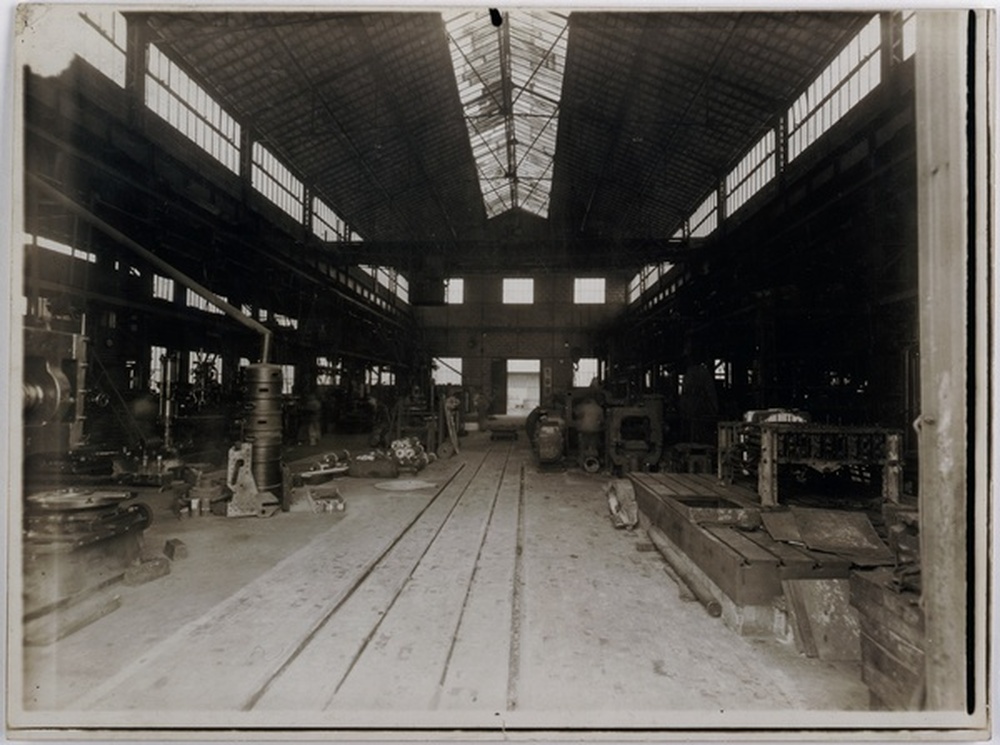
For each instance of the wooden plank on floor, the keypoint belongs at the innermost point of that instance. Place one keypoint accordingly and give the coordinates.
(224, 658)
(871, 594)
(746, 548)
(708, 480)
(683, 486)
(311, 679)
(886, 636)
(787, 554)
(798, 616)
(799, 562)
(891, 680)
(821, 612)
(652, 482)
(650, 503)
(403, 666)
(477, 674)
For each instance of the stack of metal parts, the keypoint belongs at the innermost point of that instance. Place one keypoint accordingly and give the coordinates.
(409, 452)
(262, 425)
(77, 539)
(72, 518)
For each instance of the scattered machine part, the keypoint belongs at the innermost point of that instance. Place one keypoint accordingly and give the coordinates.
(621, 503)
(76, 540)
(247, 499)
(635, 435)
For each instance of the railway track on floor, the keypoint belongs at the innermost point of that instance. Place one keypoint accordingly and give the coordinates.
(428, 619)
(403, 635)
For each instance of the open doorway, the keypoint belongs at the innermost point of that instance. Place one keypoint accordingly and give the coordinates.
(524, 386)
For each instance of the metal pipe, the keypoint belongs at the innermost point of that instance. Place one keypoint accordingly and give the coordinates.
(230, 310)
(695, 585)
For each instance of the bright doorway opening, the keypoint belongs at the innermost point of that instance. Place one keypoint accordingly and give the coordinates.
(524, 386)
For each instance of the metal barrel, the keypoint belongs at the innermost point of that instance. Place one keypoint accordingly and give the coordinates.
(263, 381)
(265, 454)
(263, 417)
(262, 428)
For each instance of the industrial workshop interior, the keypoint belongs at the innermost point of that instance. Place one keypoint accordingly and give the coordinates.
(500, 371)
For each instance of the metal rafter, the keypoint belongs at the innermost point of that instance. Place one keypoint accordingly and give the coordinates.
(343, 134)
(395, 109)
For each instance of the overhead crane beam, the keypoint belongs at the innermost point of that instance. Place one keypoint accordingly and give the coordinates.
(582, 254)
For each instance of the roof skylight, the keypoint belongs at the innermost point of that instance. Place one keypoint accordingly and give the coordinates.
(509, 81)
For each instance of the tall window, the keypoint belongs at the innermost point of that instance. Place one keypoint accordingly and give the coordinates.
(194, 300)
(102, 41)
(589, 291)
(287, 379)
(585, 371)
(163, 288)
(402, 288)
(326, 223)
(723, 372)
(173, 95)
(273, 179)
(635, 287)
(61, 248)
(157, 364)
(327, 371)
(519, 291)
(706, 217)
(384, 277)
(448, 371)
(755, 169)
(854, 73)
(454, 291)
(207, 367)
(909, 33)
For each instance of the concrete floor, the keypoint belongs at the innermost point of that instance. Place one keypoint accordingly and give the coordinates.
(502, 594)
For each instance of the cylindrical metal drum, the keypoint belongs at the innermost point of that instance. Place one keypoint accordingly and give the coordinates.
(263, 381)
(265, 454)
(262, 416)
(262, 425)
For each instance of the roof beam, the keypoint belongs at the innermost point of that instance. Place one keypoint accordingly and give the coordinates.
(342, 133)
(395, 109)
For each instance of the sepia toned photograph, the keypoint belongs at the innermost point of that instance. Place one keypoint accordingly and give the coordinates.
(499, 373)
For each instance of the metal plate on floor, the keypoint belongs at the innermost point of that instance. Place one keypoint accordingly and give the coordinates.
(782, 526)
(76, 499)
(404, 485)
(848, 534)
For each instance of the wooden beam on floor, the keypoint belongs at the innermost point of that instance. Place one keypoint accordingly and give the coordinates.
(223, 659)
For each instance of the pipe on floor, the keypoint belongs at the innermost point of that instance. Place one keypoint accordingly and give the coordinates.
(230, 310)
(697, 588)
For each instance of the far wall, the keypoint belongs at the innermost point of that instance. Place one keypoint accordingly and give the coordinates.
(485, 333)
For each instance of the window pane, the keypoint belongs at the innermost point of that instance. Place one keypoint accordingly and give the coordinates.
(589, 290)
(524, 366)
(454, 291)
(519, 291)
(448, 370)
(585, 371)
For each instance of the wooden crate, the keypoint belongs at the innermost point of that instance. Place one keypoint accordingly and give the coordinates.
(892, 641)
